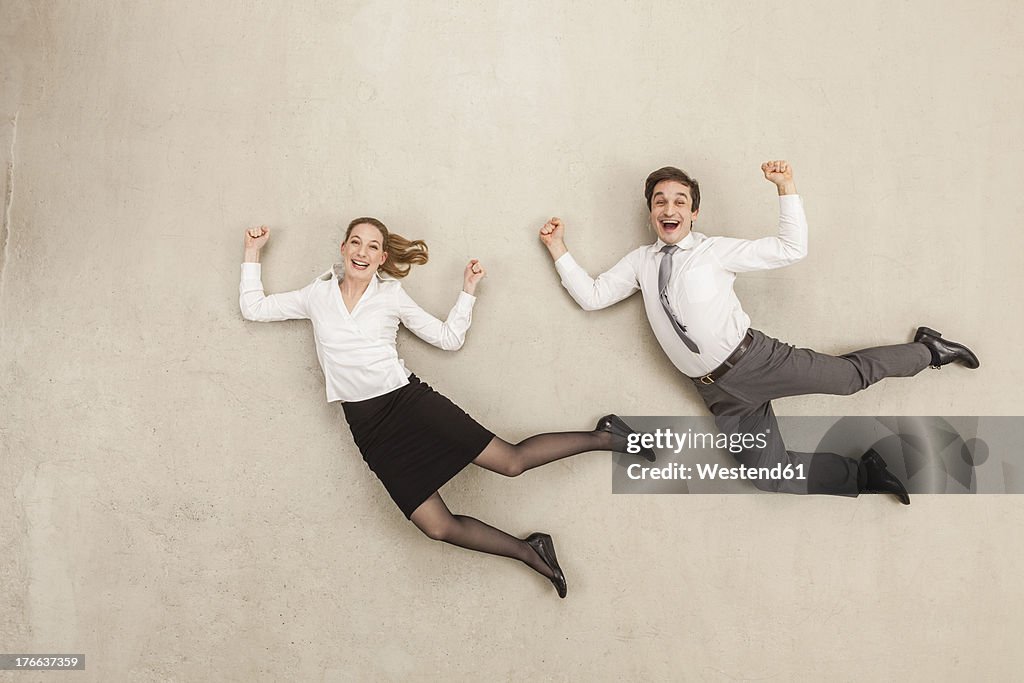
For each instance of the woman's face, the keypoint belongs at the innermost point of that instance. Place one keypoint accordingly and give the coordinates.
(363, 251)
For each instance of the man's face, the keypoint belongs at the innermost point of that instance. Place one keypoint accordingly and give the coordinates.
(671, 211)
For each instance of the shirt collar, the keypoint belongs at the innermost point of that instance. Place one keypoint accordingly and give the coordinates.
(689, 242)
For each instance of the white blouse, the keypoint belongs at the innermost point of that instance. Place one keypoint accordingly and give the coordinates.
(356, 350)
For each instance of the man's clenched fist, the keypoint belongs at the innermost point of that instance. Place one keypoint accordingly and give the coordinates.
(780, 173)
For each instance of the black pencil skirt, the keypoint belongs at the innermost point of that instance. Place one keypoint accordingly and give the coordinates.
(415, 440)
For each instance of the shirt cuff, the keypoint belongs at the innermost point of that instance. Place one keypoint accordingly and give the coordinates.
(790, 200)
(251, 271)
(466, 300)
(565, 263)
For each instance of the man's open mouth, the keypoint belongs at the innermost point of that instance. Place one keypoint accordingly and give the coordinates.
(670, 225)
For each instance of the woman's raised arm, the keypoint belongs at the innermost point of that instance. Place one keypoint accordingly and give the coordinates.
(255, 238)
(450, 334)
(254, 304)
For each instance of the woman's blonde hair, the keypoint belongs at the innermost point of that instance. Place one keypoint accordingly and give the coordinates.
(402, 253)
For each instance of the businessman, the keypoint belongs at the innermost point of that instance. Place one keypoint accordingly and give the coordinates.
(686, 279)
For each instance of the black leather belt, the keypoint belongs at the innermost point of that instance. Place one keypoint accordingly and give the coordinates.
(732, 360)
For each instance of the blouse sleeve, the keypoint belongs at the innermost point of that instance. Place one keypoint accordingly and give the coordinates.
(448, 335)
(255, 305)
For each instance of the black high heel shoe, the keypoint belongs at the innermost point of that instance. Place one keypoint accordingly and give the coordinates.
(615, 425)
(545, 547)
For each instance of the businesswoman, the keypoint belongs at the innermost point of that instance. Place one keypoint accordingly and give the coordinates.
(413, 438)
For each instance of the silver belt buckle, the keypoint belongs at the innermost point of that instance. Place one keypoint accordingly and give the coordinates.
(706, 379)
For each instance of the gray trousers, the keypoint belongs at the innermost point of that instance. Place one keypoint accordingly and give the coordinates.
(741, 403)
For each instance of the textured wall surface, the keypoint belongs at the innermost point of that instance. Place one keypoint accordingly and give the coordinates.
(179, 502)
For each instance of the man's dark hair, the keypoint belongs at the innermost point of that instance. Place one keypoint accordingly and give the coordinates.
(672, 173)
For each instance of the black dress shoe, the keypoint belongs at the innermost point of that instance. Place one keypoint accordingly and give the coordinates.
(545, 547)
(615, 425)
(944, 351)
(880, 479)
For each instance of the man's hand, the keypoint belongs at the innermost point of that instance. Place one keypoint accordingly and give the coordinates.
(255, 239)
(474, 273)
(551, 236)
(780, 173)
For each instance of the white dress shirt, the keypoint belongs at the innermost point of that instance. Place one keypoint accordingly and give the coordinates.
(700, 289)
(356, 350)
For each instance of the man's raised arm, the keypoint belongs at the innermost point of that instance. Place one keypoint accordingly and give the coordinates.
(789, 246)
(609, 287)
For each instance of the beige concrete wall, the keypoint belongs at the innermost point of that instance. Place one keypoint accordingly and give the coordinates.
(178, 501)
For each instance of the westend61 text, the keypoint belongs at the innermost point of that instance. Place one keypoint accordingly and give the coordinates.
(666, 439)
(705, 471)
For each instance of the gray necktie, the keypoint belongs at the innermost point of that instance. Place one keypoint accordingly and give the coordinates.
(664, 274)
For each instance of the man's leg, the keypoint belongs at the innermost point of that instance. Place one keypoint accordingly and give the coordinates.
(773, 369)
(822, 473)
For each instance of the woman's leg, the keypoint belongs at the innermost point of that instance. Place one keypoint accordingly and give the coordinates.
(434, 519)
(513, 459)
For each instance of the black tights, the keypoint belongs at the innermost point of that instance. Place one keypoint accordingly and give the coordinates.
(435, 520)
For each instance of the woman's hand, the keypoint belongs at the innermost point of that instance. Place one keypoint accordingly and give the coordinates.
(474, 273)
(255, 239)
